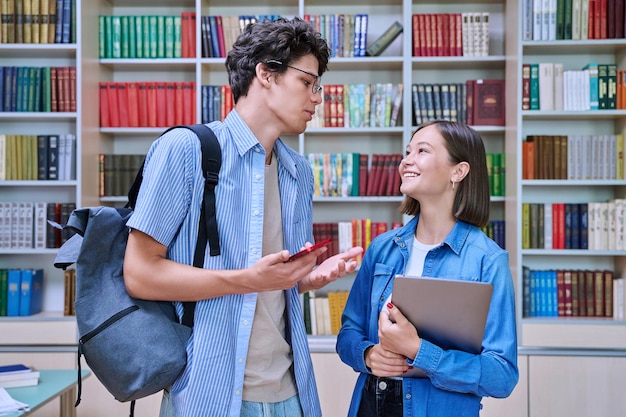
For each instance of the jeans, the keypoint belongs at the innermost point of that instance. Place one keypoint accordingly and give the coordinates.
(381, 397)
(288, 408)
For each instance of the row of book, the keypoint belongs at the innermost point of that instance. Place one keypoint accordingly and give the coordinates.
(147, 36)
(217, 102)
(346, 34)
(450, 34)
(475, 102)
(37, 89)
(13, 376)
(346, 234)
(359, 105)
(44, 21)
(573, 157)
(37, 157)
(219, 33)
(322, 314)
(547, 86)
(33, 225)
(355, 174)
(147, 104)
(596, 225)
(116, 173)
(572, 293)
(21, 292)
(548, 20)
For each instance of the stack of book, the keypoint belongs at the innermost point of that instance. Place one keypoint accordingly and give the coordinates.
(18, 375)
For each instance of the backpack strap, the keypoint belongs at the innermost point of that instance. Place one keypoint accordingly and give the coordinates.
(207, 226)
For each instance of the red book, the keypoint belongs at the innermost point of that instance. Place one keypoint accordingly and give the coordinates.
(469, 103)
(192, 36)
(558, 226)
(104, 105)
(188, 103)
(489, 103)
(54, 100)
(122, 103)
(61, 91)
(438, 31)
(142, 95)
(375, 174)
(152, 104)
(363, 171)
(384, 175)
(525, 86)
(114, 115)
(591, 21)
(133, 104)
(619, 19)
(178, 106)
(560, 292)
(170, 102)
(72, 86)
(395, 174)
(416, 34)
(161, 105)
(421, 19)
(528, 157)
(185, 41)
(220, 36)
(603, 19)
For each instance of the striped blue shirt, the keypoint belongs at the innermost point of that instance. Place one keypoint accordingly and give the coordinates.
(168, 209)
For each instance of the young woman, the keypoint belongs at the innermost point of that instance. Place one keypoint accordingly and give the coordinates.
(446, 184)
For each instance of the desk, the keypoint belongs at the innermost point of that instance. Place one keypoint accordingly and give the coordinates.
(52, 384)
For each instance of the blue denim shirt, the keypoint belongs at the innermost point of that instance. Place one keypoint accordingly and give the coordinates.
(457, 380)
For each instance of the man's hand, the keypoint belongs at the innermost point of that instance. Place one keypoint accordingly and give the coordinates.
(332, 268)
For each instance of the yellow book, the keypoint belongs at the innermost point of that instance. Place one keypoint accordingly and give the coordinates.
(35, 20)
(44, 20)
(525, 226)
(619, 156)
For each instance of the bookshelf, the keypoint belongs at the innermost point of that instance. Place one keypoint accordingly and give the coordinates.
(542, 340)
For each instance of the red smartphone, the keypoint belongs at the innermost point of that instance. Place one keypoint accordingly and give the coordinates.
(310, 249)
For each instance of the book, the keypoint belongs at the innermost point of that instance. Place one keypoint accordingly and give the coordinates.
(489, 103)
(21, 382)
(384, 40)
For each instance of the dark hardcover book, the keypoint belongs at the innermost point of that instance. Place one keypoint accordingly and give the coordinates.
(489, 103)
(469, 102)
(53, 157)
(437, 101)
(66, 26)
(42, 157)
(583, 224)
(2, 88)
(207, 45)
(363, 173)
(215, 41)
(417, 116)
(384, 40)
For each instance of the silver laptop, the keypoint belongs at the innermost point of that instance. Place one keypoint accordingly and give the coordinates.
(449, 313)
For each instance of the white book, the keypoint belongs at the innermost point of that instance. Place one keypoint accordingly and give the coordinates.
(61, 158)
(15, 225)
(552, 20)
(546, 19)
(576, 19)
(558, 85)
(40, 225)
(5, 225)
(584, 19)
(547, 226)
(24, 382)
(69, 157)
(484, 34)
(26, 225)
(537, 19)
(466, 32)
(312, 308)
(611, 235)
(16, 376)
(619, 223)
(546, 86)
(527, 20)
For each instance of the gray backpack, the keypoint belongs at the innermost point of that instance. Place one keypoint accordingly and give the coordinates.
(134, 347)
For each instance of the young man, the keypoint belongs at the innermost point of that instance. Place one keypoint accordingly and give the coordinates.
(248, 354)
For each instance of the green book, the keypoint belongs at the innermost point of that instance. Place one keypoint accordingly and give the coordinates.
(45, 90)
(169, 36)
(4, 285)
(611, 96)
(124, 37)
(385, 39)
(145, 22)
(177, 37)
(139, 48)
(153, 37)
(132, 37)
(116, 37)
(108, 36)
(160, 36)
(101, 37)
(534, 86)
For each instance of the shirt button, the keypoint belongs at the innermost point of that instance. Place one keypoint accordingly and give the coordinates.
(258, 177)
(240, 360)
(255, 212)
(245, 322)
(382, 385)
(238, 392)
(408, 396)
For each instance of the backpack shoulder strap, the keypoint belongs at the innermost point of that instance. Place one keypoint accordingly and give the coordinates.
(207, 226)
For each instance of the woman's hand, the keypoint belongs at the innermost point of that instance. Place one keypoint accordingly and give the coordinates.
(397, 334)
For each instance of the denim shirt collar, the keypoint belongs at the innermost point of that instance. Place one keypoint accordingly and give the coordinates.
(455, 239)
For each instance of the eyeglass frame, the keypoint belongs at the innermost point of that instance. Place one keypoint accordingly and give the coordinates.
(317, 85)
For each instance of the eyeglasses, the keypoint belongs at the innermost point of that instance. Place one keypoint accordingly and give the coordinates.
(317, 87)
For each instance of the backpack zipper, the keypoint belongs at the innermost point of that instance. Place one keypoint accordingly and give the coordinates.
(116, 317)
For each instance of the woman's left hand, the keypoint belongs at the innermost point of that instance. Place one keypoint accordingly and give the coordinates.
(397, 334)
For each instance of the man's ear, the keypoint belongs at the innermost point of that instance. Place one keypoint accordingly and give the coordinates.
(263, 74)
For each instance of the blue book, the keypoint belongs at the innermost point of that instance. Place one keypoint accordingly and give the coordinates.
(58, 34)
(215, 42)
(2, 88)
(31, 292)
(67, 21)
(13, 294)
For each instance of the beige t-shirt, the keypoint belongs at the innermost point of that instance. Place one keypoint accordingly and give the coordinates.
(269, 366)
